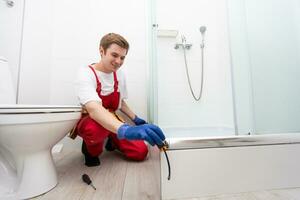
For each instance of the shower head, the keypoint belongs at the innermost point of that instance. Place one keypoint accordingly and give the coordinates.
(202, 29)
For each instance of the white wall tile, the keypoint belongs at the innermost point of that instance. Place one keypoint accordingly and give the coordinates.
(176, 106)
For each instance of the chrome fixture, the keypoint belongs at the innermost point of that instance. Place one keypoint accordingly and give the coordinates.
(9, 3)
(185, 47)
(202, 30)
(183, 44)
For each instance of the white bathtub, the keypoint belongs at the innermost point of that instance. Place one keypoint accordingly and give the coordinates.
(230, 164)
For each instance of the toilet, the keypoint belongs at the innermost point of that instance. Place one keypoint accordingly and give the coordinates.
(27, 135)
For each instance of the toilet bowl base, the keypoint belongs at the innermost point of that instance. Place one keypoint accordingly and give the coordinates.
(39, 174)
(36, 175)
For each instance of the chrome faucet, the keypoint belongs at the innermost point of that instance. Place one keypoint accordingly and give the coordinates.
(9, 3)
(183, 44)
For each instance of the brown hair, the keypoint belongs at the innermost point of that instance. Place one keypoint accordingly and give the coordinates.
(113, 38)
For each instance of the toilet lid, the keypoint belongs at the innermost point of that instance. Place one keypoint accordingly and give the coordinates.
(19, 108)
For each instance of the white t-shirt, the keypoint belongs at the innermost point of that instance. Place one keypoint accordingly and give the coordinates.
(86, 85)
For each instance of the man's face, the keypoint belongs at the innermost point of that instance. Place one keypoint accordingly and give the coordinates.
(113, 58)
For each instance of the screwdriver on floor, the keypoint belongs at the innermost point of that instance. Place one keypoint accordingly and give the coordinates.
(87, 180)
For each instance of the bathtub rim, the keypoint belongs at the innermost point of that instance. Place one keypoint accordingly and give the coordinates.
(180, 143)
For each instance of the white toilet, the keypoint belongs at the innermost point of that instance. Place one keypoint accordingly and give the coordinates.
(27, 135)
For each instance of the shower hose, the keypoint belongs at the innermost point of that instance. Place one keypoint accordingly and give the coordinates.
(188, 74)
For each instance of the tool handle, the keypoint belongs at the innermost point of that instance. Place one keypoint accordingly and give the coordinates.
(86, 179)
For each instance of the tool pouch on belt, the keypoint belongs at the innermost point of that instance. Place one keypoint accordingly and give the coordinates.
(74, 132)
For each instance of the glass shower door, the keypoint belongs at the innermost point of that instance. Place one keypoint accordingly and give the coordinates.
(174, 108)
(265, 46)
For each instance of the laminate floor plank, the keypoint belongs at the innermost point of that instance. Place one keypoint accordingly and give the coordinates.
(142, 178)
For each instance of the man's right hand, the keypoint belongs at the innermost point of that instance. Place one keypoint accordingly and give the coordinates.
(149, 132)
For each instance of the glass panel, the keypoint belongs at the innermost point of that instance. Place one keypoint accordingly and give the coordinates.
(177, 112)
(265, 46)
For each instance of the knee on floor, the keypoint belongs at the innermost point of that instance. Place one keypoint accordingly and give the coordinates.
(139, 155)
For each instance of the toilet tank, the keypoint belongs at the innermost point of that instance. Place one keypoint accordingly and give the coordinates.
(7, 92)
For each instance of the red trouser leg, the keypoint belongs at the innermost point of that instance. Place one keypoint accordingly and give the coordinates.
(93, 135)
(132, 149)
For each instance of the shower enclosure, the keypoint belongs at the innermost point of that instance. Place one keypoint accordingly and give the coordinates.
(205, 56)
(250, 104)
(251, 64)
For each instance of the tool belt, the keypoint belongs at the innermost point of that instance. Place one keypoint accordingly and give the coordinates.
(74, 132)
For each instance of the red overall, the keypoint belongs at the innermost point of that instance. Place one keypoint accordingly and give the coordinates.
(93, 134)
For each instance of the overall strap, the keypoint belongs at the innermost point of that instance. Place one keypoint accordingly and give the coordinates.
(98, 82)
(116, 83)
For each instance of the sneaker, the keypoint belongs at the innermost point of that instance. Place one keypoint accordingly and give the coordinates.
(90, 161)
(110, 145)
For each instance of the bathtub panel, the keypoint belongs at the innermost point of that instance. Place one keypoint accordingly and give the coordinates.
(213, 171)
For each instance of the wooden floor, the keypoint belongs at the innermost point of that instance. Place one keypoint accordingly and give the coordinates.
(119, 179)
(115, 179)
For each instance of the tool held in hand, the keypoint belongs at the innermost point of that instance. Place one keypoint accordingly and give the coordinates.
(87, 180)
(163, 148)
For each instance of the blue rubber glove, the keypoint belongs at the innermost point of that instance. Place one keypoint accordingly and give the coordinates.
(139, 121)
(149, 132)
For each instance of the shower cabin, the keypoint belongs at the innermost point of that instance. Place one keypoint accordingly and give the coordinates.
(224, 88)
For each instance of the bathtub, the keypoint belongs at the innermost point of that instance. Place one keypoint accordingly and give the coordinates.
(204, 166)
